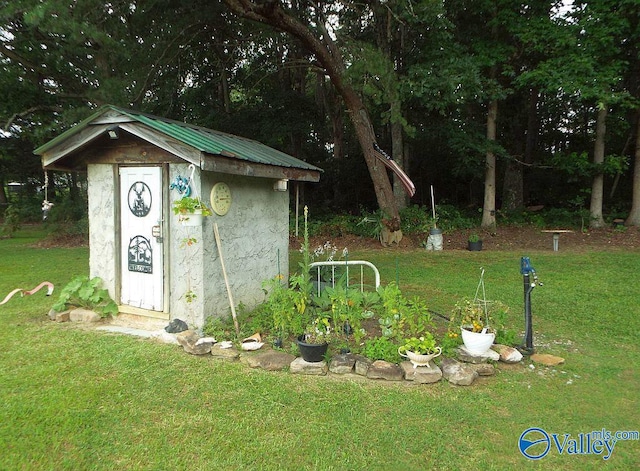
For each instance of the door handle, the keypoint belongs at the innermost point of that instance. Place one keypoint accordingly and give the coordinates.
(156, 231)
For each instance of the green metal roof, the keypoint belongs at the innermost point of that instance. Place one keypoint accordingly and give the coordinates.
(202, 139)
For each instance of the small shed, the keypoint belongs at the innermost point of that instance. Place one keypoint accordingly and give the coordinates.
(152, 264)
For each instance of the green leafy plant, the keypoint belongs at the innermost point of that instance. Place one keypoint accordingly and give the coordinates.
(189, 205)
(473, 238)
(290, 306)
(319, 331)
(423, 345)
(286, 306)
(381, 348)
(12, 221)
(477, 315)
(401, 317)
(345, 307)
(86, 293)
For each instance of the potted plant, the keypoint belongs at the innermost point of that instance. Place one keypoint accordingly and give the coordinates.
(190, 210)
(314, 342)
(420, 350)
(474, 243)
(474, 319)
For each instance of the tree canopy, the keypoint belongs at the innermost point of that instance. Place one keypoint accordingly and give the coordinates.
(499, 104)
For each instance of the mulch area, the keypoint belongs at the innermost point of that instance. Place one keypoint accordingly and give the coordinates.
(504, 238)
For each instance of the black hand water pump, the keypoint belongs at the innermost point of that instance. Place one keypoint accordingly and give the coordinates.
(530, 280)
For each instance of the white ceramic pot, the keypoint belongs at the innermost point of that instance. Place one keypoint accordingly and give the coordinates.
(418, 359)
(190, 219)
(477, 343)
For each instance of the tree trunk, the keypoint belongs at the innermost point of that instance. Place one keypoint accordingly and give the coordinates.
(597, 187)
(533, 131)
(224, 89)
(489, 207)
(634, 215)
(512, 189)
(397, 152)
(3, 194)
(327, 53)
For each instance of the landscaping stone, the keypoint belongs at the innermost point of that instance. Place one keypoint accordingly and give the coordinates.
(301, 367)
(189, 341)
(362, 365)
(546, 359)
(176, 326)
(84, 315)
(421, 374)
(165, 337)
(484, 369)
(228, 354)
(270, 360)
(61, 316)
(507, 354)
(464, 355)
(343, 363)
(381, 369)
(458, 373)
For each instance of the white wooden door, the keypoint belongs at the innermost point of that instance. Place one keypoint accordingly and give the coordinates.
(142, 271)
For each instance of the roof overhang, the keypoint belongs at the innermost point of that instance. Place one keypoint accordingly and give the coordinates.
(68, 151)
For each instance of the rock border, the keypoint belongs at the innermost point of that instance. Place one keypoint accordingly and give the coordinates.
(462, 371)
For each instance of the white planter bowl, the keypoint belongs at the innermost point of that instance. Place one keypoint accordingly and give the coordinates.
(192, 219)
(477, 343)
(420, 360)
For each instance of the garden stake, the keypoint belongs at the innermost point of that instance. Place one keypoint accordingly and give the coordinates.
(226, 280)
(527, 272)
(279, 274)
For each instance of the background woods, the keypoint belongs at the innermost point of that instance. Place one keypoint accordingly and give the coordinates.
(499, 104)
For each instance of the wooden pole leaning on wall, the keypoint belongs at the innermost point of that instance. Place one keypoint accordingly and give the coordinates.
(216, 233)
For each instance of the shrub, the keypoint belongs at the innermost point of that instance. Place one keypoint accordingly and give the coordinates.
(86, 293)
(12, 221)
(381, 348)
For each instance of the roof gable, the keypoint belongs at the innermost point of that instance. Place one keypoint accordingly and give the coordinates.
(209, 149)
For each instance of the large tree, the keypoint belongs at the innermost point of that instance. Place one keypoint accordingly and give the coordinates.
(309, 26)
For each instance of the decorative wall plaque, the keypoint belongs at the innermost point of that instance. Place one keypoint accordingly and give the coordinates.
(140, 253)
(139, 199)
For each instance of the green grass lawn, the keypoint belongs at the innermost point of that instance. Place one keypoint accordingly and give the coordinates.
(76, 399)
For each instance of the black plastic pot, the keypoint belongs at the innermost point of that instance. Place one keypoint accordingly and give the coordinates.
(312, 352)
(475, 246)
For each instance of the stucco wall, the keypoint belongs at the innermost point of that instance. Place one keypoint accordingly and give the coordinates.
(254, 240)
(254, 235)
(102, 219)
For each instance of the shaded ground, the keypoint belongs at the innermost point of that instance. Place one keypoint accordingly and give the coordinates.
(504, 238)
(507, 238)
